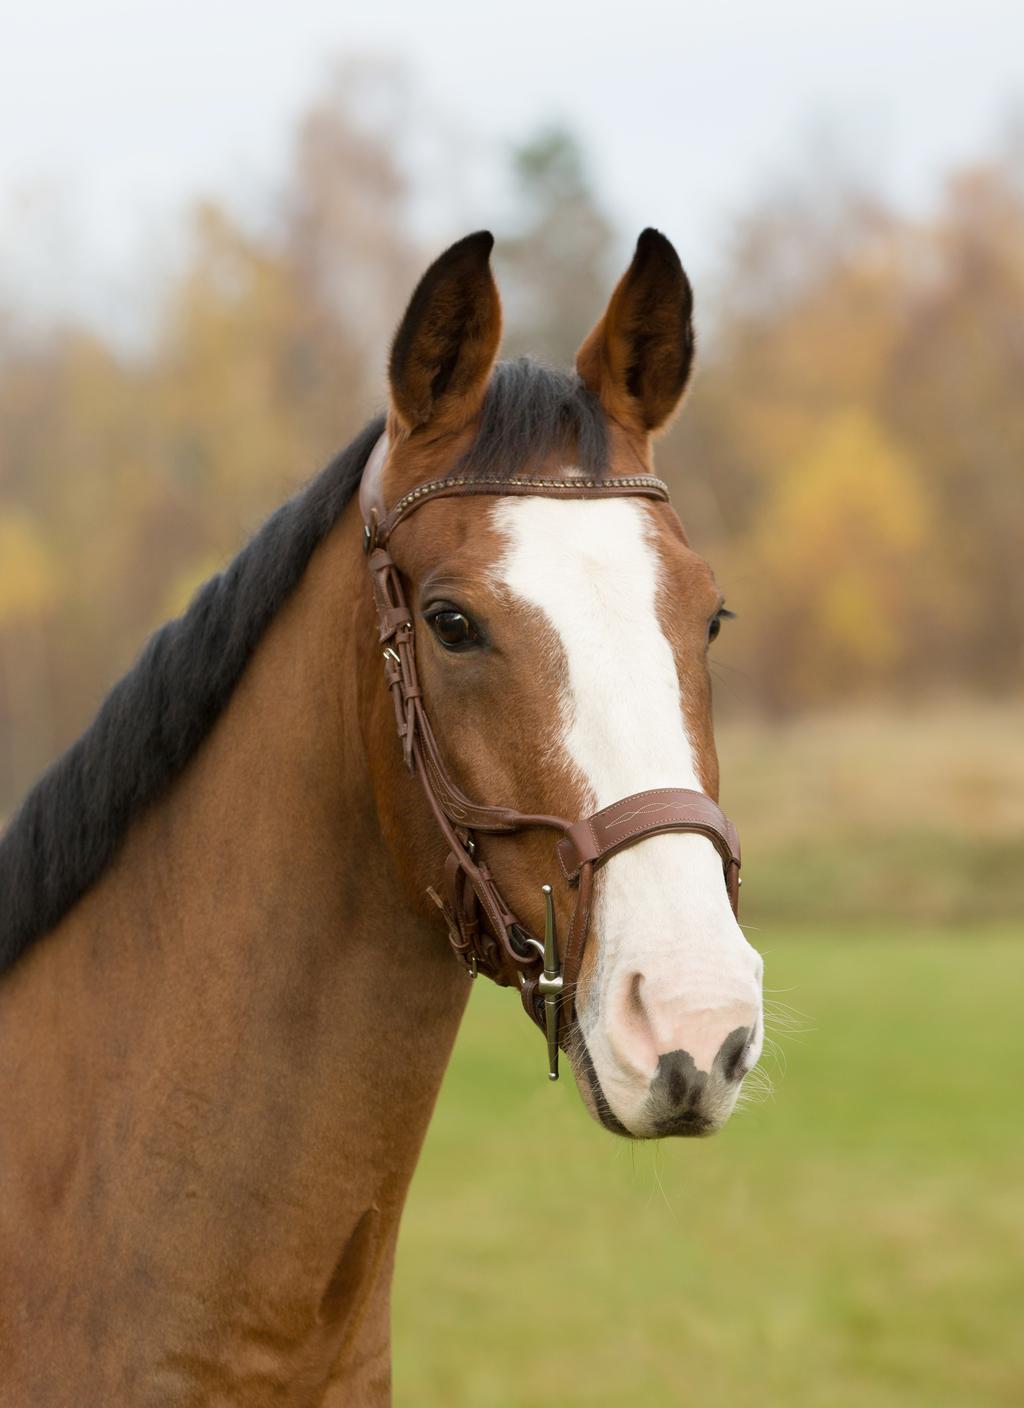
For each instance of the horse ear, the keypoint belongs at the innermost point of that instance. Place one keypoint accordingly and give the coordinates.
(637, 359)
(445, 346)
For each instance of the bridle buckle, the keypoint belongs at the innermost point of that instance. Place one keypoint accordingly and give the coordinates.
(550, 981)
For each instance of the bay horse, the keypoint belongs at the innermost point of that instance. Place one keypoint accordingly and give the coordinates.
(227, 1003)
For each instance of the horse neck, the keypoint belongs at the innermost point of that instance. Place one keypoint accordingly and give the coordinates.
(238, 1034)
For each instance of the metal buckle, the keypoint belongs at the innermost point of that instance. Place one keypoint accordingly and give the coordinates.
(550, 982)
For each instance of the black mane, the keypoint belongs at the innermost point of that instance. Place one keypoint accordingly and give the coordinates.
(152, 722)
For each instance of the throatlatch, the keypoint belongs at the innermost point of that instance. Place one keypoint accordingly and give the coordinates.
(484, 933)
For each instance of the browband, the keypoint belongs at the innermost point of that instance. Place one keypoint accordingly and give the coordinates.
(483, 931)
(379, 522)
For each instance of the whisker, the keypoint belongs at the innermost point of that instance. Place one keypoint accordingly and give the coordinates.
(786, 1024)
(757, 1088)
(657, 1176)
(773, 1049)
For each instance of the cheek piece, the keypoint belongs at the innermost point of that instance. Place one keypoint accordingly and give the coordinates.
(484, 933)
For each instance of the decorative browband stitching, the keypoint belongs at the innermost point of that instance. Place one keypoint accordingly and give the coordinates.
(382, 524)
(477, 484)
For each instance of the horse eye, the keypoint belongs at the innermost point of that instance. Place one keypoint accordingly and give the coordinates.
(715, 624)
(454, 630)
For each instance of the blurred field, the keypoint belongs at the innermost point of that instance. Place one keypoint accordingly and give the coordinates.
(889, 814)
(855, 1240)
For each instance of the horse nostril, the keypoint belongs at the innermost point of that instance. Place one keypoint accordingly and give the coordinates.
(634, 1001)
(678, 1085)
(732, 1053)
(683, 1099)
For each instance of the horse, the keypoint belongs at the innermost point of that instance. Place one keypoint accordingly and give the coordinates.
(457, 684)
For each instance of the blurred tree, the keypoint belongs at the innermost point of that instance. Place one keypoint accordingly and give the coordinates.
(555, 270)
(800, 325)
(954, 389)
(837, 552)
(28, 596)
(918, 325)
(139, 474)
(850, 457)
(345, 200)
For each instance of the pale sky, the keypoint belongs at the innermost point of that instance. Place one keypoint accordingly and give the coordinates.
(117, 111)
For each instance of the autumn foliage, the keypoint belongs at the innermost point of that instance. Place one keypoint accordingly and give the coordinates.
(851, 457)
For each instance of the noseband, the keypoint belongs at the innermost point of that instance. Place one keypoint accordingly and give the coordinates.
(483, 931)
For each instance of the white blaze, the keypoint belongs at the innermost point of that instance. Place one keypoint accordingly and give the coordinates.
(662, 911)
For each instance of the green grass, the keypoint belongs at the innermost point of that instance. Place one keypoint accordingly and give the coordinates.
(856, 1240)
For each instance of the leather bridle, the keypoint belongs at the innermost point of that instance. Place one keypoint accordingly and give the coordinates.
(483, 931)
